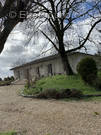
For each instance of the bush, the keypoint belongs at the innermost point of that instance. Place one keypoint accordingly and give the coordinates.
(87, 69)
(9, 78)
(12, 78)
(5, 79)
(5, 83)
(48, 93)
(97, 84)
(76, 93)
(55, 94)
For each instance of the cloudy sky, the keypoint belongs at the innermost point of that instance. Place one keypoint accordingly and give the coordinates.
(16, 47)
(17, 50)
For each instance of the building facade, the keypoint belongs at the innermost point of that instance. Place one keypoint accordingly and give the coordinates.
(49, 66)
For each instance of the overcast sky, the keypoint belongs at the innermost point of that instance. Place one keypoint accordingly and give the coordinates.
(15, 47)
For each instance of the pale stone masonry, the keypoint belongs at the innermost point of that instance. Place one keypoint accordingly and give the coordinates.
(50, 65)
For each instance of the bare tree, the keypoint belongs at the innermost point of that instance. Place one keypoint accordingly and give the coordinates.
(54, 18)
(57, 17)
(96, 40)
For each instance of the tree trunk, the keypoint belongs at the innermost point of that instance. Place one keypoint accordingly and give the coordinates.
(5, 33)
(64, 56)
(66, 64)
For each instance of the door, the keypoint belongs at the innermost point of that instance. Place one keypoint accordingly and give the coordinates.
(18, 74)
(50, 69)
(38, 71)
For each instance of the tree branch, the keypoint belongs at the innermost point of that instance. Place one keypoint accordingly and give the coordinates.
(86, 39)
(50, 40)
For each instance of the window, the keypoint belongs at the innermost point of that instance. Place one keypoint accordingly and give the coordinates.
(50, 69)
(26, 73)
(38, 71)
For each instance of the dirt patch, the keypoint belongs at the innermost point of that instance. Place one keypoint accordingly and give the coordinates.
(42, 117)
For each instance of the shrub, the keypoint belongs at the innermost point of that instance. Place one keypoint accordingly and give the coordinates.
(55, 94)
(87, 69)
(9, 78)
(0, 79)
(48, 93)
(27, 92)
(97, 84)
(12, 78)
(5, 79)
(76, 93)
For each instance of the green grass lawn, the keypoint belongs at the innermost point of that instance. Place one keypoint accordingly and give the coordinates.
(8, 133)
(60, 82)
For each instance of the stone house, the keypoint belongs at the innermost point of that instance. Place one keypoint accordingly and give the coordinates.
(50, 65)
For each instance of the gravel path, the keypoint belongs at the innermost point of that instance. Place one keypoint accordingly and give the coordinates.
(47, 117)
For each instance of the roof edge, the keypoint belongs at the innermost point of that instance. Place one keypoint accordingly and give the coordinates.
(46, 58)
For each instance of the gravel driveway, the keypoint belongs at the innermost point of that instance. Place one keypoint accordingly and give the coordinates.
(47, 117)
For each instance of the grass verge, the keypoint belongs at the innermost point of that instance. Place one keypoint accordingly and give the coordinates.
(8, 133)
(5, 83)
(86, 99)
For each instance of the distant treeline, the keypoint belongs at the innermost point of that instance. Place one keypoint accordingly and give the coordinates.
(7, 78)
